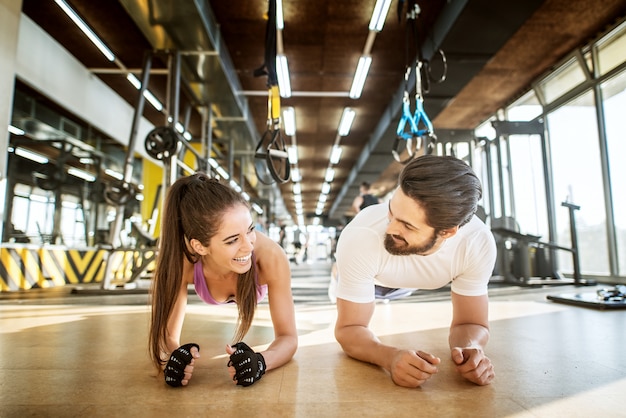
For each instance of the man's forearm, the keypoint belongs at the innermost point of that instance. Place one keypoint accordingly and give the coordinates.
(361, 344)
(468, 335)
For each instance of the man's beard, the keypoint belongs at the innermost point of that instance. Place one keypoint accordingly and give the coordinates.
(403, 248)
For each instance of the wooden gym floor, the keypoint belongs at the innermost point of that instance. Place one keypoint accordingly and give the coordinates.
(84, 355)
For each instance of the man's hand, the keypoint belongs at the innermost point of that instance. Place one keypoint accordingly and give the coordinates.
(473, 365)
(412, 368)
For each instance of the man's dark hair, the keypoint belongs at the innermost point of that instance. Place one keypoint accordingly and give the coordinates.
(445, 187)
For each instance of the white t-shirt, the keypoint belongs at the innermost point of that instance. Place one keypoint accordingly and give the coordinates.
(466, 259)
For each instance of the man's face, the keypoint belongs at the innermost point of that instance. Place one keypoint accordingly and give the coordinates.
(407, 232)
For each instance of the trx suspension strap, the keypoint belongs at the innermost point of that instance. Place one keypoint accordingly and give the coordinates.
(416, 137)
(271, 163)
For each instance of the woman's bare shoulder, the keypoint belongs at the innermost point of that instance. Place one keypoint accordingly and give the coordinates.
(269, 255)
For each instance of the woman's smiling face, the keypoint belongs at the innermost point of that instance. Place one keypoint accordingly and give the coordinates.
(231, 248)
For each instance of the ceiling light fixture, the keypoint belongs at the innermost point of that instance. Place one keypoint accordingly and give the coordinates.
(258, 209)
(280, 24)
(292, 155)
(289, 119)
(114, 174)
(347, 117)
(16, 131)
(147, 94)
(360, 75)
(295, 175)
(326, 188)
(86, 30)
(335, 155)
(81, 174)
(282, 71)
(330, 175)
(379, 15)
(234, 185)
(30, 155)
(297, 189)
(222, 172)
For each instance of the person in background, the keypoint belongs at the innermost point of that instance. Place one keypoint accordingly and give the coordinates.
(282, 235)
(364, 199)
(425, 237)
(208, 240)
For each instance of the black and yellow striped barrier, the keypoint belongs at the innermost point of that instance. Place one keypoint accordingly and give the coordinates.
(27, 267)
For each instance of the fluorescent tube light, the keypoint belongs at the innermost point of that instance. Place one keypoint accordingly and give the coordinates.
(86, 30)
(297, 189)
(114, 174)
(81, 174)
(297, 198)
(257, 208)
(16, 131)
(335, 155)
(323, 198)
(153, 100)
(289, 119)
(234, 185)
(347, 117)
(292, 155)
(30, 155)
(295, 175)
(245, 196)
(147, 94)
(379, 15)
(360, 75)
(330, 175)
(326, 188)
(282, 71)
(280, 24)
(133, 80)
(222, 172)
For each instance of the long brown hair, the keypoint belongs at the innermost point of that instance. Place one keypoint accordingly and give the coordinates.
(445, 187)
(193, 209)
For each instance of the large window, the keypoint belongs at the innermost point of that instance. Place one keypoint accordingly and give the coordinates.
(614, 95)
(578, 179)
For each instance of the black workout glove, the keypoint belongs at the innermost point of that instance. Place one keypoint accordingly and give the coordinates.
(249, 366)
(175, 367)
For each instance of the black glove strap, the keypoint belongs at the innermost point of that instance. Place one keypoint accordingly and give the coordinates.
(249, 366)
(175, 368)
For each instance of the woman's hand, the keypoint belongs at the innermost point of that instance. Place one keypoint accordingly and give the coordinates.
(179, 367)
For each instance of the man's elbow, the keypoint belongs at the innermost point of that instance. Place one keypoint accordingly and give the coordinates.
(340, 336)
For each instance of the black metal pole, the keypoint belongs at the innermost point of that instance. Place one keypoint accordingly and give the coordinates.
(572, 227)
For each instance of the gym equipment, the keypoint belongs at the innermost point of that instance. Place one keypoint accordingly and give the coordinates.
(162, 142)
(416, 138)
(271, 159)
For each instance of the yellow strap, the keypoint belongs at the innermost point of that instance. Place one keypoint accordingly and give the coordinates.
(274, 103)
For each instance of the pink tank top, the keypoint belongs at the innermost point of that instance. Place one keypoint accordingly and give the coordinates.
(199, 283)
